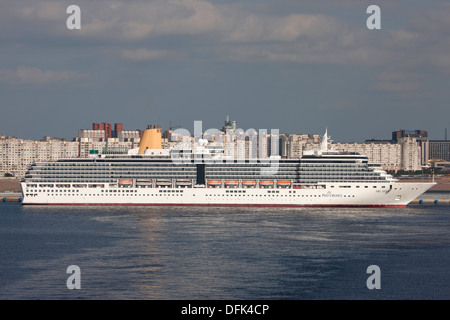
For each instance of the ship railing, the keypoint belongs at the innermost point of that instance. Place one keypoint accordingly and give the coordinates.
(308, 186)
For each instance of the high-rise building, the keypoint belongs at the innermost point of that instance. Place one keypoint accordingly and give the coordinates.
(94, 135)
(440, 149)
(229, 125)
(107, 131)
(89, 146)
(411, 157)
(106, 127)
(292, 145)
(128, 135)
(16, 155)
(118, 128)
(396, 135)
(386, 153)
(102, 139)
(421, 137)
(402, 154)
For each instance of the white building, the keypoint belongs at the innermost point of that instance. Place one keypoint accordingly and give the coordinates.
(292, 145)
(94, 135)
(411, 154)
(387, 154)
(90, 146)
(16, 155)
(404, 155)
(128, 135)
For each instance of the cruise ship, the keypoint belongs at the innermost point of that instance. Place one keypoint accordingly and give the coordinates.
(152, 176)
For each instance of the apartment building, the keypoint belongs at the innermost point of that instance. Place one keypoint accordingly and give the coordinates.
(402, 155)
(440, 149)
(16, 155)
(385, 153)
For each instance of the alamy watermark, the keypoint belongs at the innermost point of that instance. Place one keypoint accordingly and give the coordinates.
(74, 280)
(227, 146)
(74, 20)
(374, 21)
(374, 280)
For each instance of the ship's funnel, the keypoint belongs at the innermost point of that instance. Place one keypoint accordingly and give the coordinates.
(151, 139)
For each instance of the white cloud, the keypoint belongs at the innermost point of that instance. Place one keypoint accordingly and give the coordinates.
(143, 54)
(39, 10)
(138, 20)
(33, 75)
(131, 20)
(238, 31)
(254, 27)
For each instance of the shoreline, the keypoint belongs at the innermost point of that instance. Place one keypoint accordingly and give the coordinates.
(443, 183)
(9, 185)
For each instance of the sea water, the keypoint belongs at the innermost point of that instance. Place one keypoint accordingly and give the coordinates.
(165, 253)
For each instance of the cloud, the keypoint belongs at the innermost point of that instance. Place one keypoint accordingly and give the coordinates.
(227, 22)
(397, 81)
(39, 10)
(128, 20)
(33, 75)
(227, 31)
(254, 27)
(142, 54)
(139, 20)
(240, 31)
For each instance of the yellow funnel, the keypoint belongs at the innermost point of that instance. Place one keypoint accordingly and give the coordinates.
(151, 139)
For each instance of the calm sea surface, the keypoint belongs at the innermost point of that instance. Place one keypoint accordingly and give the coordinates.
(222, 253)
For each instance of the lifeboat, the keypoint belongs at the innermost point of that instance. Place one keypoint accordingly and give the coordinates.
(125, 181)
(214, 182)
(143, 182)
(248, 183)
(184, 182)
(231, 183)
(266, 183)
(282, 183)
(96, 186)
(163, 182)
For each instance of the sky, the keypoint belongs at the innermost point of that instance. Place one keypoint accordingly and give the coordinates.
(292, 65)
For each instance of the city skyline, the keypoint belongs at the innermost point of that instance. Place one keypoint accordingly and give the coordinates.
(299, 67)
(110, 133)
(409, 150)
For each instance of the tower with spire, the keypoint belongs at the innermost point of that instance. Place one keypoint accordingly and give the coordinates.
(324, 144)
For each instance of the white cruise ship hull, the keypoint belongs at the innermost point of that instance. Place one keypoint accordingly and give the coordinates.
(328, 195)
